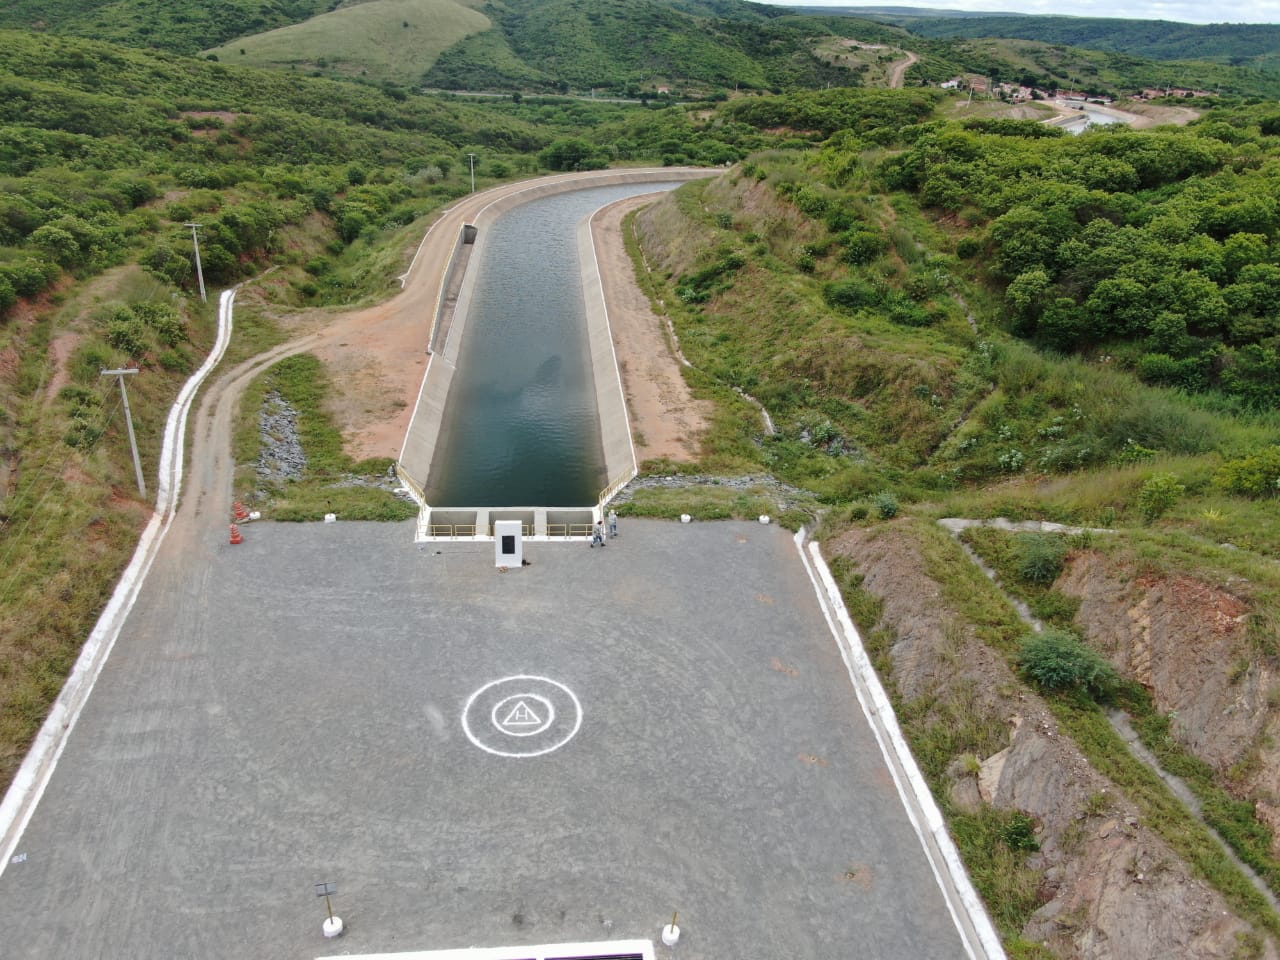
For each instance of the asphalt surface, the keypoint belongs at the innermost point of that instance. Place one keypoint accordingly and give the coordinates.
(331, 702)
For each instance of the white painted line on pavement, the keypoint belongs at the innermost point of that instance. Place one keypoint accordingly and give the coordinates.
(917, 799)
(542, 951)
(37, 767)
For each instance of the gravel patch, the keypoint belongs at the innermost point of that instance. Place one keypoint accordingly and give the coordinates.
(282, 458)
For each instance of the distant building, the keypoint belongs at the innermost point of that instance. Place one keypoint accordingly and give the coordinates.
(1155, 93)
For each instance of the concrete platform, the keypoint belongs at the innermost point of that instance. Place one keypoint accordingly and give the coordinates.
(332, 702)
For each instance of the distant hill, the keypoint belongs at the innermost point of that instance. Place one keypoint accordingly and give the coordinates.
(1237, 44)
(180, 26)
(633, 45)
(394, 40)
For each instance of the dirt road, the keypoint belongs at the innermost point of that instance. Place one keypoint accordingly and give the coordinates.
(900, 69)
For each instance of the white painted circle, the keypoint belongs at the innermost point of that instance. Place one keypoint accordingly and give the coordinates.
(500, 700)
(516, 718)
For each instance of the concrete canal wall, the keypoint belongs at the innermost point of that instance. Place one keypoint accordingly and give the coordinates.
(450, 320)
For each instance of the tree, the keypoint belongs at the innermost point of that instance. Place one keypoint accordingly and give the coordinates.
(569, 153)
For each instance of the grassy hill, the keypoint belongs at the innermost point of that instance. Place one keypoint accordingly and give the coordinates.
(634, 45)
(180, 26)
(392, 40)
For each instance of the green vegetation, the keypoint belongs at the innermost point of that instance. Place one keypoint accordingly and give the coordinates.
(713, 502)
(1153, 248)
(179, 26)
(1058, 660)
(975, 317)
(300, 382)
(634, 49)
(1040, 557)
(391, 41)
(1236, 43)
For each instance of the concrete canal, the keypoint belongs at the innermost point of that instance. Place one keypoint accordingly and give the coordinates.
(521, 424)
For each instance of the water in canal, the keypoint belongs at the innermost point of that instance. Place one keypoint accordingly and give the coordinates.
(520, 425)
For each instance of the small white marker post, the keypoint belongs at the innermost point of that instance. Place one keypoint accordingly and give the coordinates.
(332, 926)
(671, 933)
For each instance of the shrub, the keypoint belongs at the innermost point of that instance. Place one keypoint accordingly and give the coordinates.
(1058, 660)
(850, 294)
(886, 505)
(1257, 475)
(1040, 557)
(1019, 832)
(175, 361)
(83, 433)
(862, 246)
(1158, 495)
(128, 336)
(164, 320)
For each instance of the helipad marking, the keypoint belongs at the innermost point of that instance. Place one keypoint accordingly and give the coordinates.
(521, 720)
(522, 692)
(521, 715)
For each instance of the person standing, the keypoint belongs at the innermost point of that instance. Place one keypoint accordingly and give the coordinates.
(613, 524)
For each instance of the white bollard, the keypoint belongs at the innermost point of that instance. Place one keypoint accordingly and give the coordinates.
(332, 927)
(330, 518)
(764, 518)
(670, 934)
(685, 518)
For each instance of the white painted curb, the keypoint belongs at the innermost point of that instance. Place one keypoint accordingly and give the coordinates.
(37, 768)
(980, 939)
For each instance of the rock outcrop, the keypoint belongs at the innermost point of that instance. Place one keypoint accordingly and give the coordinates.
(1187, 642)
(1112, 888)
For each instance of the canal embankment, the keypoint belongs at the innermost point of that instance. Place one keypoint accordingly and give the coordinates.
(452, 308)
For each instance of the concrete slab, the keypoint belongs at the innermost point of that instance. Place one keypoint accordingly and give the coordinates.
(290, 710)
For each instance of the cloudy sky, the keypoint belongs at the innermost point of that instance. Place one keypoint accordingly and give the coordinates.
(1183, 11)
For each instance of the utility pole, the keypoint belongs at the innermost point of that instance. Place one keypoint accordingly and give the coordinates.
(195, 240)
(473, 171)
(128, 419)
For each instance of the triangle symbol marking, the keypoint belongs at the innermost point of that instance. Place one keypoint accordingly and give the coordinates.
(522, 715)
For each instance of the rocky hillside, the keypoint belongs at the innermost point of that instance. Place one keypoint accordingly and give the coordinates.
(1100, 876)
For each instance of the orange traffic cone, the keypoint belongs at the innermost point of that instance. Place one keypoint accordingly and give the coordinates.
(236, 535)
(241, 512)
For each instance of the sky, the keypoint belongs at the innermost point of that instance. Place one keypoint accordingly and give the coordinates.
(1182, 11)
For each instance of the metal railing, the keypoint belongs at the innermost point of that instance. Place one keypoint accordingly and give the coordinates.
(452, 530)
(567, 530)
(614, 487)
